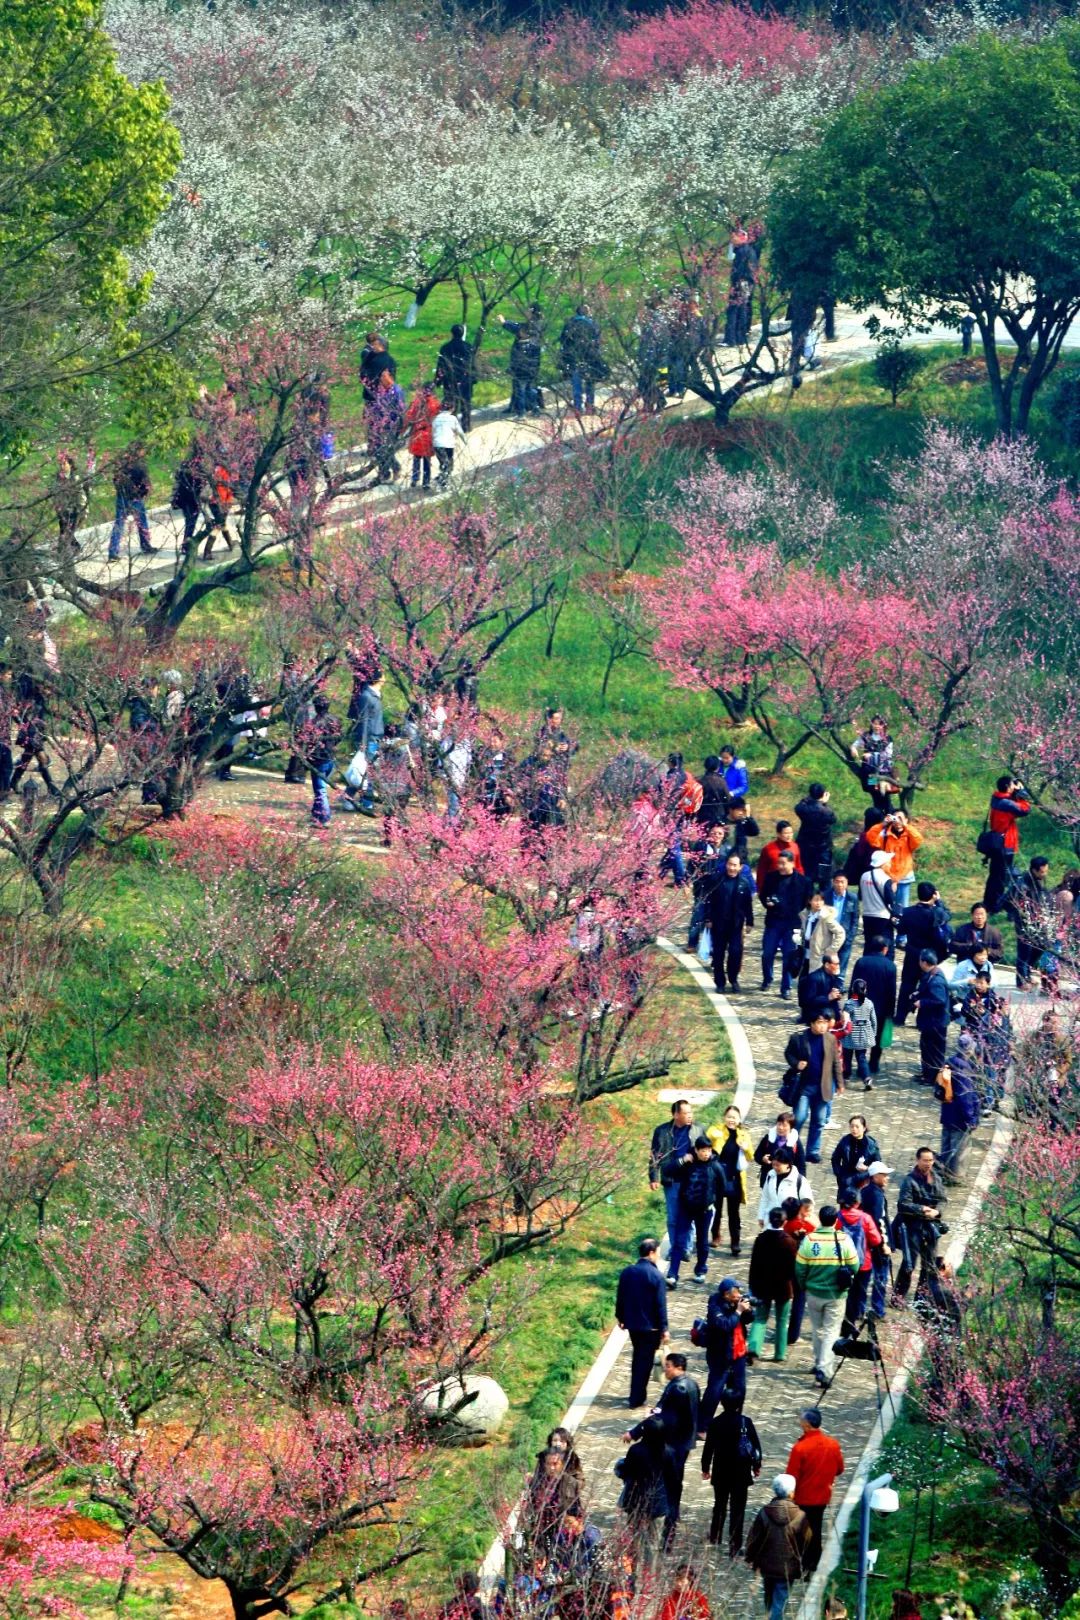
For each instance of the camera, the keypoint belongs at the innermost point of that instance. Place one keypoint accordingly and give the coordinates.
(853, 1348)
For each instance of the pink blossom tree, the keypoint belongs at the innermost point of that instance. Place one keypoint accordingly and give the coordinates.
(282, 1256)
(534, 943)
(709, 34)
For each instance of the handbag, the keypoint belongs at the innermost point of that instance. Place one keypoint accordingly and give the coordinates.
(704, 946)
(989, 843)
(788, 1089)
(886, 1034)
(845, 1276)
(699, 1333)
(356, 771)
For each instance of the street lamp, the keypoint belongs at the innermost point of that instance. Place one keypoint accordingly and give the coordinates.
(877, 1497)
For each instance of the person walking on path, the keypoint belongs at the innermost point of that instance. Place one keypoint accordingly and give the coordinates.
(375, 358)
(369, 728)
(877, 901)
(925, 926)
(825, 1268)
(455, 373)
(446, 432)
(844, 903)
(641, 1309)
(783, 894)
(918, 1226)
(677, 1409)
(782, 1181)
(131, 481)
(933, 1010)
(772, 1285)
(419, 417)
(525, 352)
(862, 1037)
(715, 798)
(734, 1150)
(815, 835)
(730, 1460)
(669, 1148)
(781, 1135)
(877, 970)
(819, 932)
(730, 911)
(726, 1323)
(853, 1154)
(863, 1231)
(701, 1189)
(960, 1108)
(813, 1078)
(385, 418)
(778, 1539)
(581, 359)
(769, 858)
(814, 1462)
(875, 1203)
(645, 1472)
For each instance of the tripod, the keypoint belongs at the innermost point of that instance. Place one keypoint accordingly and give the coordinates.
(855, 1347)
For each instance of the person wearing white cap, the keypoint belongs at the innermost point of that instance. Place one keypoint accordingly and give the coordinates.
(876, 1204)
(777, 1543)
(877, 897)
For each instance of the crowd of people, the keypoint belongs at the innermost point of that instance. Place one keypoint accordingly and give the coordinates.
(825, 1262)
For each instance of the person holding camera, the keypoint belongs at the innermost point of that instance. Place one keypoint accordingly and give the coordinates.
(815, 835)
(899, 840)
(1009, 803)
(918, 1225)
(726, 1325)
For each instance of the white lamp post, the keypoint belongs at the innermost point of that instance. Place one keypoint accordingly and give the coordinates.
(877, 1497)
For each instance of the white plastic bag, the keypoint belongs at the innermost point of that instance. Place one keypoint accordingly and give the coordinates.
(704, 946)
(356, 771)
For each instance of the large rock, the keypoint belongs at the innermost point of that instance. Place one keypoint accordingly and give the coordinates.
(465, 1413)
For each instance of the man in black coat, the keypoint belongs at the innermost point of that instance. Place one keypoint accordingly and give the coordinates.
(731, 916)
(878, 972)
(641, 1308)
(784, 893)
(677, 1409)
(715, 797)
(816, 823)
(933, 1009)
(375, 358)
(822, 988)
(454, 373)
(925, 926)
(979, 931)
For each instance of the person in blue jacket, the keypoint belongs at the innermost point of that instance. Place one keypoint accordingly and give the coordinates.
(736, 776)
(960, 1110)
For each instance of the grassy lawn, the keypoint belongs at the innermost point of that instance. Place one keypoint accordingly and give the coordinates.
(961, 1542)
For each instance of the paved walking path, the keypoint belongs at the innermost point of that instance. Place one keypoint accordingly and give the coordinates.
(902, 1115)
(496, 446)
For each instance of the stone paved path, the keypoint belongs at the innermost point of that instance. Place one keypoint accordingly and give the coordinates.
(902, 1115)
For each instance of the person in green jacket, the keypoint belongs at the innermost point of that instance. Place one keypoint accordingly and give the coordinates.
(825, 1267)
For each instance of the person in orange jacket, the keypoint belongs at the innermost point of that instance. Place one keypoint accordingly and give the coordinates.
(814, 1462)
(899, 839)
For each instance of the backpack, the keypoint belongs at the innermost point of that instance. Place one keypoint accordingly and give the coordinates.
(857, 1234)
(699, 1333)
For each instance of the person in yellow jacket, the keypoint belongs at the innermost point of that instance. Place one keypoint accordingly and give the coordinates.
(734, 1151)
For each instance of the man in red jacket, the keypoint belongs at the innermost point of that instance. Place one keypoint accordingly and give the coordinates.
(769, 859)
(814, 1463)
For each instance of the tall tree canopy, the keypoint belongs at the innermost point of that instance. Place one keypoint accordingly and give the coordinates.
(956, 189)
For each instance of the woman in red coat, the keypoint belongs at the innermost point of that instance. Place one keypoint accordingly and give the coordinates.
(419, 417)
